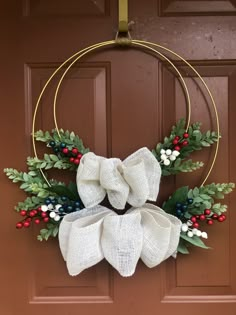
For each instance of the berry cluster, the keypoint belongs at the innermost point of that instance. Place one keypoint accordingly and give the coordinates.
(167, 156)
(74, 155)
(180, 208)
(57, 208)
(53, 208)
(35, 215)
(208, 217)
(179, 142)
(187, 228)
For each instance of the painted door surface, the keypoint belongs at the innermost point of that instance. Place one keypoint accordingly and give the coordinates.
(117, 100)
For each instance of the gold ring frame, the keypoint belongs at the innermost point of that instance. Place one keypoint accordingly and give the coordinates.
(152, 47)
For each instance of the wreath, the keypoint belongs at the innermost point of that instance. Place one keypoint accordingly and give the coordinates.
(88, 231)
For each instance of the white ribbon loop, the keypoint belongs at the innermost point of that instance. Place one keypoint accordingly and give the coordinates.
(135, 180)
(122, 242)
(90, 235)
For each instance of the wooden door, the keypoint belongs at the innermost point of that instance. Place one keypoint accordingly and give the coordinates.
(117, 100)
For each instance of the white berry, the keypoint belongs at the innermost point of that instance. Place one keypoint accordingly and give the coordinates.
(168, 152)
(44, 208)
(195, 231)
(184, 227)
(199, 233)
(175, 153)
(57, 218)
(50, 206)
(52, 214)
(190, 234)
(163, 157)
(166, 162)
(204, 235)
(58, 207)
(172, 157)
(163, 151)
(189, 223)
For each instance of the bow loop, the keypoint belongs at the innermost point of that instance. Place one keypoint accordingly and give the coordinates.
(135, 180)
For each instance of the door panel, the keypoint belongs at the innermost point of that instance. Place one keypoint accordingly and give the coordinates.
(117, 100)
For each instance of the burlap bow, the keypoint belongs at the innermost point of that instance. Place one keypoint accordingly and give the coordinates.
(135, 180)
(88, 236)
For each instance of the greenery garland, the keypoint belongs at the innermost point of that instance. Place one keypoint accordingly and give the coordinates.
(48, 204)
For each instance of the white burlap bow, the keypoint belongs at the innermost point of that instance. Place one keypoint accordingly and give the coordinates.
(135, 180)
(88, 236)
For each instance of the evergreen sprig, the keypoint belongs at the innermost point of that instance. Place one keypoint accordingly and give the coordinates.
(50, 231)
(29, 203)
(201, 198)
(204, 198)
(196, 141)
(50, 161)
(69, 138)
(181, 166)
(31, 182)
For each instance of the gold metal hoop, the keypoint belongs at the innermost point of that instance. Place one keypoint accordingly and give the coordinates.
(209, 93)
(90, 49)
(144, 44)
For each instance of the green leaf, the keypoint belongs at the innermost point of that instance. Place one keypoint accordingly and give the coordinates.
(63, 191)
(180, 195)
(195, 240)
(182, 248)
(73, 188)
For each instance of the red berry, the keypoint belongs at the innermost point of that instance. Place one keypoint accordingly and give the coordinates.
(46, 219)
(76, 161)
(196, 225)
(215, 216)
(23, 212)
(32, 213)
(74, 151)
(79, 156)
(197, 216)
(220, 219)
(193, 219)
(184, 143)
(207, 211)
(39, 209)
(26, 224)
(202, 217)
(177, 138)
(223, 216)
(19, 225)
(44, 214)
(36, 221)
(185, 135)
(72, 160)
(177, 148)
(65, 150)
(210, 222)
(175, 141)
(28, 219)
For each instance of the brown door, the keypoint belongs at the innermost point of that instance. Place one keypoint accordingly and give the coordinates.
(117, 100)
